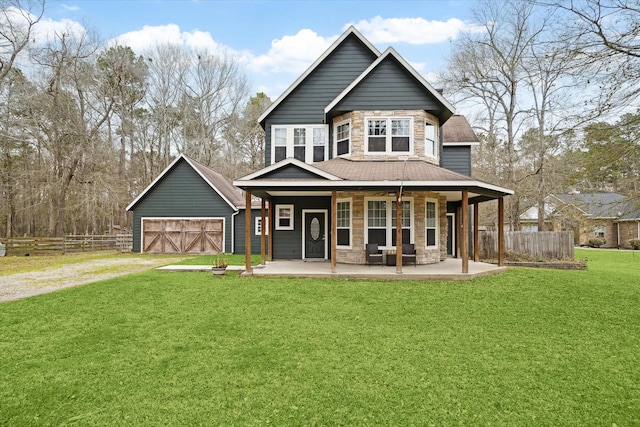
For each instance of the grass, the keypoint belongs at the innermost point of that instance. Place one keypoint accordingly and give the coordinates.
(527, 347)
(24, 264)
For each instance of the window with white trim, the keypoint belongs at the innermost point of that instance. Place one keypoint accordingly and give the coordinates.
(342, 138)
(307, 143)
(381, 221)
(431, 224)
(284, 217)
(389, 135)
(430, 139)
(343, 222)
(258, 226)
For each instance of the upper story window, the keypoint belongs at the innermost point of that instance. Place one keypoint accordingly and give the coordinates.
(307, 143)
(342, 138)
(392, 135)
(430, 139)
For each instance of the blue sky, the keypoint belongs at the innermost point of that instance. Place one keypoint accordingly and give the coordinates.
(275, 41)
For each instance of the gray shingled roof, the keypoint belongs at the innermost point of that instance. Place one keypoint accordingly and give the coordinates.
(457, 130)
(218, 181)
(388, 170)
(596, 205)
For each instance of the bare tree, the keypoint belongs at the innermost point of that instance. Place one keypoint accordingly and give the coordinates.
(487, 70)
(17, 19)
(68, 117)
(605, 35)
(214, 91)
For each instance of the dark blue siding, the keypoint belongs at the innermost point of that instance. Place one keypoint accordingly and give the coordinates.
(305, 105)
(181, 193)
(457, 159)
(287, 244)
(389, 87)
(290, 172)
(239, 232)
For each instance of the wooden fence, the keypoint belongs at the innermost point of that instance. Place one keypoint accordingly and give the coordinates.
(548, 245)
(21, 246)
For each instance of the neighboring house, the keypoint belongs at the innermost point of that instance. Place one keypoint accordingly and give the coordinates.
(629, 225)
(529, 219)
(190, 208)
(599, 214)
(354, 147)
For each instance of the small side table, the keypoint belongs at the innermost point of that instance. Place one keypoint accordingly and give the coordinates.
(391, 258)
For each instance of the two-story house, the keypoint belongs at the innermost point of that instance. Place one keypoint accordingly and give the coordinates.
(355, 155)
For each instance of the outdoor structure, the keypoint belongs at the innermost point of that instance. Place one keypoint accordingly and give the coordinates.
(355, 155)
(611, 216)
(190, 208)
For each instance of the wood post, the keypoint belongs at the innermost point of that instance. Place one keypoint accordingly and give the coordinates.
(458, 227)
(476, 233)
(464, 239)
(501, 231)
(247, 233)
(334, 229)
(270, 236)
(398, 232)
(263, 226)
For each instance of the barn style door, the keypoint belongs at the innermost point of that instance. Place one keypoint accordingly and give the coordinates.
(183, 235)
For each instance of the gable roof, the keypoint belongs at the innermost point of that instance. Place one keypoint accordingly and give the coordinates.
(289, 161)
(391, 53)
(217, 182)
(341, 173)
(350, 31)
(595, 205)
(457, 131)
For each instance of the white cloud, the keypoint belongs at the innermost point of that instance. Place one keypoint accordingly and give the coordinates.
(47, 29)
(292, 54)
(415, 31)
(71, 8)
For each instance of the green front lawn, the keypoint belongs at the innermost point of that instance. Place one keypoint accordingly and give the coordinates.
(527, 347)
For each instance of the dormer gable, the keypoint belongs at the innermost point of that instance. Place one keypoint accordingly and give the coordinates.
(390, 83)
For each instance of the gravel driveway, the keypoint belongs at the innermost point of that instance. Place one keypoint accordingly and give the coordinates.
(24, 285)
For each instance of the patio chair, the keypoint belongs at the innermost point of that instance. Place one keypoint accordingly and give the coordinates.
(373, 254)
(408, 254)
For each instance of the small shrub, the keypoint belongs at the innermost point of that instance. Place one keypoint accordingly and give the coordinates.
(219, 262)
(597, 241)
(635, 244)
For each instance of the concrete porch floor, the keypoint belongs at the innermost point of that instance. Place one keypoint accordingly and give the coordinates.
(449, 269)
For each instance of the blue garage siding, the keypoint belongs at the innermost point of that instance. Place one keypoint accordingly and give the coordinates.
(181, 192)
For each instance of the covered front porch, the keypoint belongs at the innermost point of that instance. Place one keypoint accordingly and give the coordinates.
(398, 202)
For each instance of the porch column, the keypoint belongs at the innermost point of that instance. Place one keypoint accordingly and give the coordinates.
(458, 225)
(263, 223)
(247, 233)
(464, 239)
(476, 233)
(270, 236)
(501, 232)
(398, 232)
(334, 229)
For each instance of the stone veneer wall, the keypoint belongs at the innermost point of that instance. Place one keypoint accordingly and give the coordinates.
(358, 134)
(356, 255)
